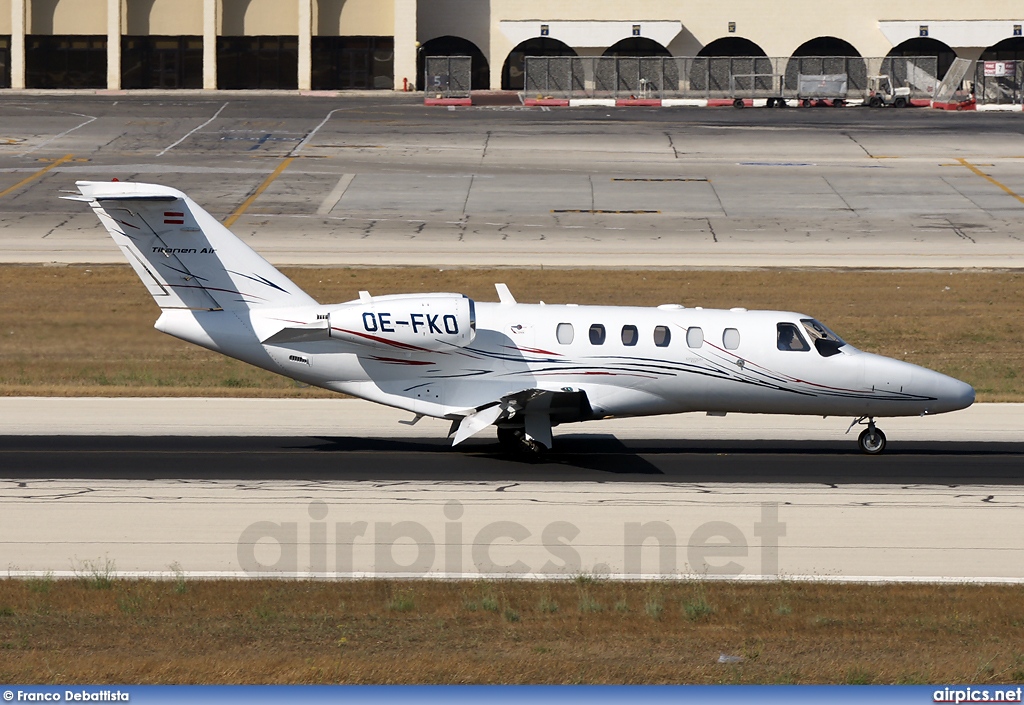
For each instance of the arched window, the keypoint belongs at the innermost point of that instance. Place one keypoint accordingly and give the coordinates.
(732, 46)
(512, 71)
(926, 46)
(827, 55)
(636, 46)
(455, 46)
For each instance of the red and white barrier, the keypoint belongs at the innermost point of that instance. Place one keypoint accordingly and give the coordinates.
(708, 103)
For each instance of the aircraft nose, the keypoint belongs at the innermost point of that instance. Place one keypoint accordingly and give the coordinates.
(950, 394)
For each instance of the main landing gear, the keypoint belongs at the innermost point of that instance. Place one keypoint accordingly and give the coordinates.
(515, 443)
(871, 440)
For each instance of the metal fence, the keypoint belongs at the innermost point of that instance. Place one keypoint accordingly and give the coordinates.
(999, 82)
(717, 77)
(447, 76)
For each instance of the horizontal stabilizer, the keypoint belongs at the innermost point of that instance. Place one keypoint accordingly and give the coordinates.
(317, 330)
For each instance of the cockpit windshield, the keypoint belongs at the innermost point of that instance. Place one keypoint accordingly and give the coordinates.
(825, 341)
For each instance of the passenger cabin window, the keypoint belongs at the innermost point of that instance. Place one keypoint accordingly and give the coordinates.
(694, 337)
(564, 333)
(825, 341)
(662, 336)
(630, 335)
(789, 338)
(597, 334)
(730, 339)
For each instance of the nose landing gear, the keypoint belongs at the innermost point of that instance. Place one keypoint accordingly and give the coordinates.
(871, 440)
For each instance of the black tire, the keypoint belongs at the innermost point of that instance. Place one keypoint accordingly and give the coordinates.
(900, 102)
(781, 103)
(875, 102)
(738, 103)
(517, 446)
(806, 102)
(511, 439)
(770, 103)
(871, 441)
(838, 103)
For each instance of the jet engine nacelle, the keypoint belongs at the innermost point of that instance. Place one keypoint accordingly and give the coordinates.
(406, 322)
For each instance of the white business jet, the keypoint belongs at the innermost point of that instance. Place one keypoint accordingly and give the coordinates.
(524, 368)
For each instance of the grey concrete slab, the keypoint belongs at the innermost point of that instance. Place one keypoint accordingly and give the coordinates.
(857, 187)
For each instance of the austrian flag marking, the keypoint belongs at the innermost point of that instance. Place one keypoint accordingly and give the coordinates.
(174, 218)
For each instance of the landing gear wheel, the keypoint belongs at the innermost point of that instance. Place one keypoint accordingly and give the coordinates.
(511, 439)
(515, 444)
(871, 440)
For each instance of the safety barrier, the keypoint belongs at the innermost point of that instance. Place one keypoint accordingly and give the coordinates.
(447, 80)
(999, 84)
(560, 78)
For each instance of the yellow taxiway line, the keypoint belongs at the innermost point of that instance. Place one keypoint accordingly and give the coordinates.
(979, 172)
(256, 194)
(30, 179)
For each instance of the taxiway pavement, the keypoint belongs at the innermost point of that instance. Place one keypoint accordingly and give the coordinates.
(386, 181)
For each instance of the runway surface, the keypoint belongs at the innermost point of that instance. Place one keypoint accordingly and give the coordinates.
(384, 180)
(679, 496)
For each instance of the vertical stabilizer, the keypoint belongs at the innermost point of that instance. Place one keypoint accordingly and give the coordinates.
(186, 259)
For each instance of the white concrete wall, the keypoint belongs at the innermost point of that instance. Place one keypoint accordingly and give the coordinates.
(166, 17)
(405, 33)
(5, 16)
(258, 17)
(67, 17)
(337, 18)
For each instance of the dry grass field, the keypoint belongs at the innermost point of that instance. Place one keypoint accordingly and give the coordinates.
(102, 630)
(88, 330)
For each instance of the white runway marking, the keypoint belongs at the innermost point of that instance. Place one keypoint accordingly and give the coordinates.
(62, 134)
(335, 195)
(192, 132)
(309, 138)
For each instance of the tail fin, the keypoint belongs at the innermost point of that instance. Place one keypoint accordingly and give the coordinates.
(182, 254)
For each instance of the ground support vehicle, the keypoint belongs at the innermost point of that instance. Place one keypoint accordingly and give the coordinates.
(882, 93)
(754, 86)
(822, 89)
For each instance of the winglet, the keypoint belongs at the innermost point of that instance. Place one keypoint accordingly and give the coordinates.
(504, 295)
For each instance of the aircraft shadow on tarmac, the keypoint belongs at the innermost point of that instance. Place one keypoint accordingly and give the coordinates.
(575, 458)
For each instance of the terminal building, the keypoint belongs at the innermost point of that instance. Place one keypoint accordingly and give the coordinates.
(381, 44)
